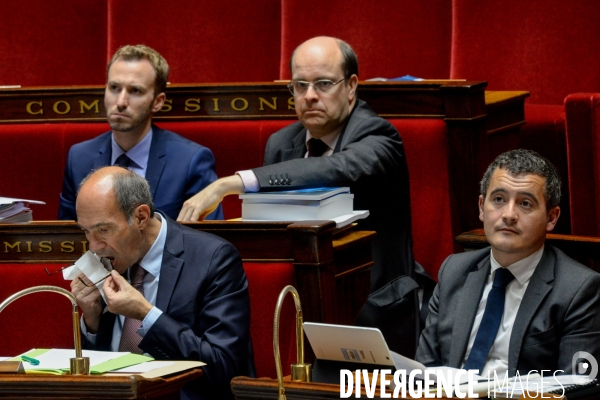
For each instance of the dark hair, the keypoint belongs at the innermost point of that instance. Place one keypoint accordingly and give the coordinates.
(522, 161)
(349, 59)
(142, 52)
(131, 191)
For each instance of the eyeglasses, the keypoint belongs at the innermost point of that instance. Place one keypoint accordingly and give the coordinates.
(298, 88)
(57, 271)
(93, 284)
(81, 280)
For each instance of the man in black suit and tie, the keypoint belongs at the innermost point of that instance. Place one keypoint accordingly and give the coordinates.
(174, 292)
(338, 141)
(519, 305)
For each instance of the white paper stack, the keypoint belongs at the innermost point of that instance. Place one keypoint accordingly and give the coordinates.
(16, 210)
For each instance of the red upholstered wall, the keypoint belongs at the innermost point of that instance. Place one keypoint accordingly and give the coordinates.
(203, 41)
(392, 38)
(549, 47)
(52, 42)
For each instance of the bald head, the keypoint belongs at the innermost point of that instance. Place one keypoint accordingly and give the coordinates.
(333, 47)
(118, 186)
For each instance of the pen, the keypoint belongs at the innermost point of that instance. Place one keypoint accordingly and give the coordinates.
(30, 360)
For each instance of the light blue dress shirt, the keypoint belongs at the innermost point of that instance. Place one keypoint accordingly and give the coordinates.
(138, 154)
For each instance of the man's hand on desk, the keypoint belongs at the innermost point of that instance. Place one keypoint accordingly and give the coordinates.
(124, 299)
(197, 207)
(89, 301)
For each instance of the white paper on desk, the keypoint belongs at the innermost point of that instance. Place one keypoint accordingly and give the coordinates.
(94, 268)
(9, 200)
(59, 358)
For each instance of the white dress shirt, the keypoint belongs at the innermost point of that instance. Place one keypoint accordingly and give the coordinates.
(497, 359)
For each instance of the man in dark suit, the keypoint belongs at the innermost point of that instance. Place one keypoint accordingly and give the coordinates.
(174, 293)
(550, 303)
(356, 148)
(175, 167)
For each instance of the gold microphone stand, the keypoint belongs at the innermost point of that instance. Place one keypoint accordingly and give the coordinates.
(300, 372)
(78, 365)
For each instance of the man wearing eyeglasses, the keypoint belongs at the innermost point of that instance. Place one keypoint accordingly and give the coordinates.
(338, 141)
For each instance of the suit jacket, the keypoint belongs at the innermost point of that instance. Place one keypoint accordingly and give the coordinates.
(203, 293)
(559, 314)
(177, 169)
(369, 158)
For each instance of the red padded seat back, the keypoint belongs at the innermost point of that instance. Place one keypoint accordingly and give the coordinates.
(38, 320)
(236, 145)
(265, 282)
(427, 157)
(392, 38)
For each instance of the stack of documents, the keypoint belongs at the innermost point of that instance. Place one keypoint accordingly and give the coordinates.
(16, 210)
(301, 205)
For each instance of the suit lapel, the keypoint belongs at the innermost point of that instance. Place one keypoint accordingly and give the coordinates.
(539, 287)
(105, 330)
(171, 264)
(466, 311)
(104, 153)
(298, 149)
(156, 165)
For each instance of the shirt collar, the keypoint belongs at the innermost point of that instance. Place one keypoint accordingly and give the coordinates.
(330, 139)
(138, 154)
(522, 269)
(152, 261)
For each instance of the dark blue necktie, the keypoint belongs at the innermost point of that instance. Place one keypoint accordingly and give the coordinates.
(123, 160)
(488, 328)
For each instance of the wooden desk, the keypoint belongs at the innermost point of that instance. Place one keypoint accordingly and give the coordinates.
(585, 249)
(33, 386)
(332, 266)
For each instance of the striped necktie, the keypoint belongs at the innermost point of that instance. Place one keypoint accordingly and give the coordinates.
(129, 336)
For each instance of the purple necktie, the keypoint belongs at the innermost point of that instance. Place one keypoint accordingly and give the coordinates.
(129, 336)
